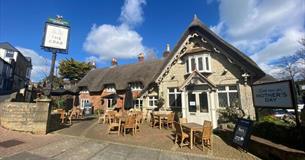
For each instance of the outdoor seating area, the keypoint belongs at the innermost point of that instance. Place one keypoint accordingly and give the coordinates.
(75, 113)
(131, 122)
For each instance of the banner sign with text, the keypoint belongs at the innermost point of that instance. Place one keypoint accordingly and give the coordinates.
(56, 37)
(274, 95)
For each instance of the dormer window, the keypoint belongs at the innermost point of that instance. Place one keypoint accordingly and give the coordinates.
(136, 86)
(110, 88)
(199, 62)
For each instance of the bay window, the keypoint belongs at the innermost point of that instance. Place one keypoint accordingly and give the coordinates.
(199, 62)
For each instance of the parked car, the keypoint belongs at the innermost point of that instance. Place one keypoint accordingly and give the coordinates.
(280, 113)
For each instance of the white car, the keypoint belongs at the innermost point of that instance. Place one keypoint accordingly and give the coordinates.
(300, 107)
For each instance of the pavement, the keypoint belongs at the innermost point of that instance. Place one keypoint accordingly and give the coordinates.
(87, 140)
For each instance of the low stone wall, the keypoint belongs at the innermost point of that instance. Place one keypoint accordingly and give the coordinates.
(27, 117)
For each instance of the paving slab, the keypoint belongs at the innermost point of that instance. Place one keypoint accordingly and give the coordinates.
(25, 156)
(56, 148)
(113, 152)
(141, 153)
(82, 152)
(173, 156)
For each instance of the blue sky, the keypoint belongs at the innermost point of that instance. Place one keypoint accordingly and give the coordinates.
(265, 30)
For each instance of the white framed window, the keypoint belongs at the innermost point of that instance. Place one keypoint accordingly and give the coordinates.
(136, 86)
(9, 54)
(152, 101)
(228, 95)
(110, 88)
(138, 103)
(110, 103)
(174, 97)
(199, 62)
(83, 103)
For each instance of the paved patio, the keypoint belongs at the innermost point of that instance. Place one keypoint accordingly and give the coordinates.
(155, 138)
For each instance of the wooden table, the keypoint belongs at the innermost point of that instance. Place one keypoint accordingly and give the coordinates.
(160, 117)
(192, 127)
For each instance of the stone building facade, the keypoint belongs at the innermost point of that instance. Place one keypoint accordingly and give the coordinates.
(201, 75)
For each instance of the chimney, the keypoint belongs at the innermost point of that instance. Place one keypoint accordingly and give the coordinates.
(141, 57)
(167, 51)
(114, 62)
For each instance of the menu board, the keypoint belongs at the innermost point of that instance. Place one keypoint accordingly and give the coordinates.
(242, 132)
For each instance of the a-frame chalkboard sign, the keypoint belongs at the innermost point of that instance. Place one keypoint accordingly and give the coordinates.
(242, 133)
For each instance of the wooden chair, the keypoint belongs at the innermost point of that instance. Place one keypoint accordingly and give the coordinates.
(62, 115)
(111, 116)
(101, 117)
(169, 120)
(182, 120)
(154, 120)
(205, 135)
(114, 126)
(130, 124)
(180, 134)
(139, 120)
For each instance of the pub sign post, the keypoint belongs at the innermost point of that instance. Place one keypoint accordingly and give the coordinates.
(55, 40)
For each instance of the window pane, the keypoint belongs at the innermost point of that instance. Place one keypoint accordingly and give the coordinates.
(171, 100)
(233, 87)
(192, 102)
(171, 89)
(207, 65)
(200, 64)
(221, 88)
(234, 100)
(151, 103)
(193, 64)
(141, 103)
(178, 100)
(203, 98)
(187, 66)
(223, 100)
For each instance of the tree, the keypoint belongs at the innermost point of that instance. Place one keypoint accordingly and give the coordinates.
(74, 70)
(293, 67)
(57, 81)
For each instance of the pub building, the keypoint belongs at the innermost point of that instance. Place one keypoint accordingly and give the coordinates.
(200, 75)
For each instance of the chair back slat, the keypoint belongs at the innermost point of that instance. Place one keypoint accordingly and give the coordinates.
(182, 120)
(178, 128)
(207, 123)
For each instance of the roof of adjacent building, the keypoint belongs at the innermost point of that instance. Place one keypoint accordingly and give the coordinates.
(8, 46)
(144, 72)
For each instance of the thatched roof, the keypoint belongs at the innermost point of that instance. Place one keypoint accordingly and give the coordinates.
(120, 76)
(265, 79)
(230, 51)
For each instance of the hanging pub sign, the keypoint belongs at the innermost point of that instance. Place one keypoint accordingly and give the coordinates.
(273, 95)
(56, 35)
(242, 132)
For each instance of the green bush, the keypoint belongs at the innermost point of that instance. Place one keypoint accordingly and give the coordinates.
(278, 131)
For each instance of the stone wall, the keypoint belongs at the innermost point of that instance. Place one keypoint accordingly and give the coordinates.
(27, 117)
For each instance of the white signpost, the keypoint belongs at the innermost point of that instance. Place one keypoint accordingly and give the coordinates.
(56, 36)
(55, 40)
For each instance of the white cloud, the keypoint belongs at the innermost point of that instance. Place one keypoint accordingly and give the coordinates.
(265, 29)
(107, 41)
(41, 65)
(132, 12)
